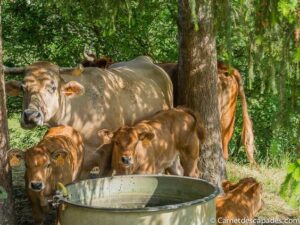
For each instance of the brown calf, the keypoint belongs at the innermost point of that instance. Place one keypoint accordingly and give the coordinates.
(230, 86)
(56, 158)
(153, 146)
(240, 203)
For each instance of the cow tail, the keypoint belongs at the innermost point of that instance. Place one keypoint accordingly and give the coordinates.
(198, 125)
(247, 131)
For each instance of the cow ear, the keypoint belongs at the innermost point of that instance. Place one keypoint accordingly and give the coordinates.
(59, 156)
(146, 135)
(227, 186)
(255, 188)
(72, 89)
(13, 87)
(105, 136)
(15, 157)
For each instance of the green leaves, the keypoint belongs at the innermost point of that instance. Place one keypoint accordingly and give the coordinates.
(296, 57)
(290, 188)
(292, 168)
(192, 4)
(3, 193)
(287, 8)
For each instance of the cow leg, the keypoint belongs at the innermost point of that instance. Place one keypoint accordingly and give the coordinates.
(105, 161)
(189, 158)
(226, 137)
(175, 169)
(38, 214)
(225, 148)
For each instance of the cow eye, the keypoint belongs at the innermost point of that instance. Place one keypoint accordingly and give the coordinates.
(48, 165)
(52, 89)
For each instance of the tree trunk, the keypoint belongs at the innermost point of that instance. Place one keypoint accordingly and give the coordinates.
(6, 198)
(198, 81)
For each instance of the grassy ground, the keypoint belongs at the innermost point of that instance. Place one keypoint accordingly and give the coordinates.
(271, 178)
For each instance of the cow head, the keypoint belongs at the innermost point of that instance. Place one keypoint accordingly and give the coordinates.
(229, 186)
(43, 89)
(40, 165)
(126, 142)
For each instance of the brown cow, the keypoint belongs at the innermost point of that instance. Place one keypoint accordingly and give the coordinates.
(91, 60)
(240, 203)
(56, 158)
(229, 186)
(97, 99)
(152, 146)
(230, 86)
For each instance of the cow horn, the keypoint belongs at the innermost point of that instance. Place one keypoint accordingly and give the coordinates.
(88, 57)
(71, 70)
(13, 70)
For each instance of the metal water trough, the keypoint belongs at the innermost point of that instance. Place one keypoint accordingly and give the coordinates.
(139, 200)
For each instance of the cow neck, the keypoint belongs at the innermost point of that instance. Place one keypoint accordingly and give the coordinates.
(60, 116)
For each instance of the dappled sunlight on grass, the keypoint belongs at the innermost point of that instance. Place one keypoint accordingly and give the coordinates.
(271, 178)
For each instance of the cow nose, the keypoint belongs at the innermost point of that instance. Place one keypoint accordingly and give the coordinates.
(36, 185)
(31, 116)
(126, 160)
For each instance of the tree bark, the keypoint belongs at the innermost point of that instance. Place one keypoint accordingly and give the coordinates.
(198, 79)
(6, 198)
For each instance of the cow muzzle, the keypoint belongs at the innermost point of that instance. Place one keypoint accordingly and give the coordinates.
(126, 160)
(36, 185)
(32, 118)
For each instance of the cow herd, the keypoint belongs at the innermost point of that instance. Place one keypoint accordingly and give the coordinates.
(118, 117)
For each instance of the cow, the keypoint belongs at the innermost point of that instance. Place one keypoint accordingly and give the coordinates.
(90, 99)
(90, 60)
(240, 203)
(57, 158)
(228, 186)
(152, 146)
(230, 86)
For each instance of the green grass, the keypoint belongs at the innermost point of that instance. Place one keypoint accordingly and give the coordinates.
(271, 178)
(20, 138)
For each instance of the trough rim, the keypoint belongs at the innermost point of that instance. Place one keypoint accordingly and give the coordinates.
(149, 209)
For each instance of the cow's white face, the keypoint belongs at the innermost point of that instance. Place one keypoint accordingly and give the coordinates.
(42, 88)
(41, 99)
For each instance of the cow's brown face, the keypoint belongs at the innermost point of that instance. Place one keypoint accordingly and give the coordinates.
(40, 166)
(124, 146)
(127, 141)
(43, 88)
(38, 169)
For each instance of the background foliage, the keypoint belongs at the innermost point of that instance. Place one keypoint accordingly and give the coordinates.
(260, 38)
